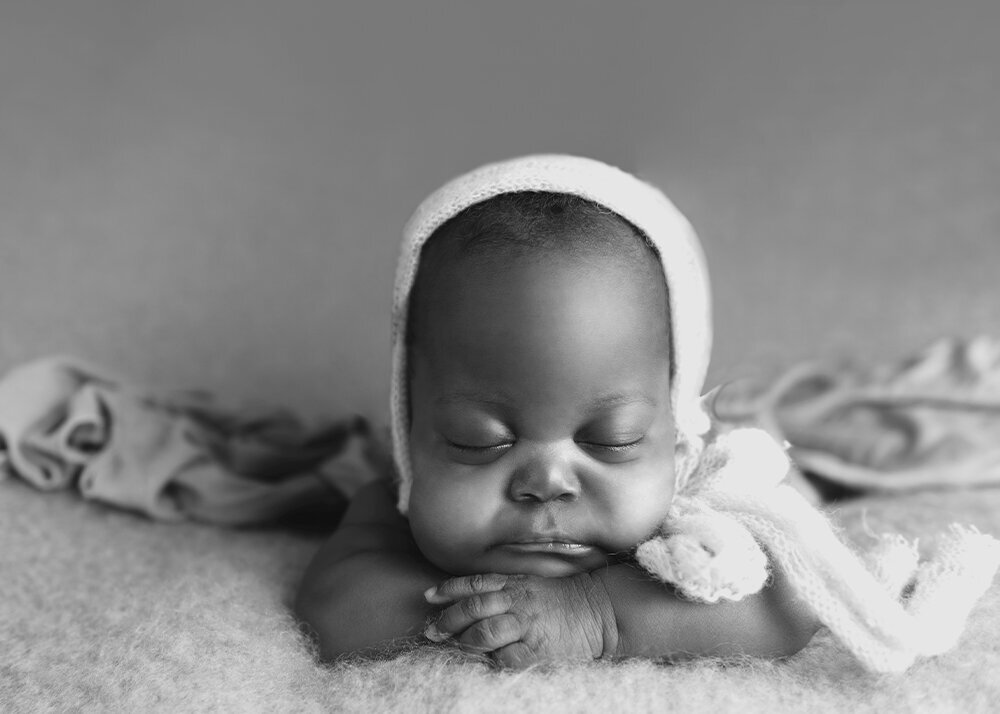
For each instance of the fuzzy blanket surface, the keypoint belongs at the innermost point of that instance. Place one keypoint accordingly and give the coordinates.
(106, 611)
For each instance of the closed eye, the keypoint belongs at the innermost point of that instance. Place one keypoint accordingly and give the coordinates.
(616, 448)
(470, 448)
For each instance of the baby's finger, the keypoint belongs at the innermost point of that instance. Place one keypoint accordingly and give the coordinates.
(515, 655)
(467, 612)
(465, 586)
(491, 634)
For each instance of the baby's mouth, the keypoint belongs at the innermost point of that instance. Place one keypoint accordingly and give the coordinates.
(551, 546)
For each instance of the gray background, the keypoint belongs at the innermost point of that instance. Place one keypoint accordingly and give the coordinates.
(210, 192)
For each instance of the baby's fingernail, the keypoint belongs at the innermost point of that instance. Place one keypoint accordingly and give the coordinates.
(434, 634)
(431, 596)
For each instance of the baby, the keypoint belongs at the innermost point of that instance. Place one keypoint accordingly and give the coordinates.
(541, 352)
(551, 335)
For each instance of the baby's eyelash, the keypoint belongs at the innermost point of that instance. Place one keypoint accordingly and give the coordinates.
(615, 447)
(476, 449)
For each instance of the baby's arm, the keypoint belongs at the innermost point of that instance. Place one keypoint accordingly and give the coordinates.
(521, 620)
(653, 621)
(364, 588)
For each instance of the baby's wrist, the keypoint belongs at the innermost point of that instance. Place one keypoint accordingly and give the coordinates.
(599, 598)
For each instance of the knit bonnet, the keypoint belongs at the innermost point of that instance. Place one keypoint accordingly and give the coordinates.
(733, 516)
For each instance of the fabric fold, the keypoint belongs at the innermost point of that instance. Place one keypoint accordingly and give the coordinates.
(928, 421)
(176, 455)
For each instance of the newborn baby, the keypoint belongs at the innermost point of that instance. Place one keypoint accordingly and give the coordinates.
(542, 352)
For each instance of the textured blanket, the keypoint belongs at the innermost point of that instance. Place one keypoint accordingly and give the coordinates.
(110, 611)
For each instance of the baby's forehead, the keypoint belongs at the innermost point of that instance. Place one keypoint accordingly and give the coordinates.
(574, 322)
(542, 292)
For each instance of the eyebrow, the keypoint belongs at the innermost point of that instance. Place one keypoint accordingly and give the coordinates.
(616, 399)
(602, 401)
(472, 395)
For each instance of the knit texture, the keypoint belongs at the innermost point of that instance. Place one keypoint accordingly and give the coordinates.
(887, 608)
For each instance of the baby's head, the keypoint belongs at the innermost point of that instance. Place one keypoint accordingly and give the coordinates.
(534, 389)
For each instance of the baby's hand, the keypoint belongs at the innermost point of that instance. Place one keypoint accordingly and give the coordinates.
(520, 620)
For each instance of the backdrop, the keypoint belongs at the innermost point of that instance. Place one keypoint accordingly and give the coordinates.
(210, 192)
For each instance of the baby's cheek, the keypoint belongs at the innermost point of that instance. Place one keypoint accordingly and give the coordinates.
(444, 524)
(641, 511)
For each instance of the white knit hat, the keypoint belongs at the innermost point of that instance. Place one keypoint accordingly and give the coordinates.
(636, 201)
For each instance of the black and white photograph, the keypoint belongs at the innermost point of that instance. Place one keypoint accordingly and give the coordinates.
(551, 356)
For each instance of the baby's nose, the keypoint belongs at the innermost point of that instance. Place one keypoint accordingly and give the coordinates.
(547, 477)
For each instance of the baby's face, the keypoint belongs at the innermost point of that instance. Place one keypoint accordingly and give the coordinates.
(542, 440)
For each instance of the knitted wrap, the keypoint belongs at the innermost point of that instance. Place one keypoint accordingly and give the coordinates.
(732, 514)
